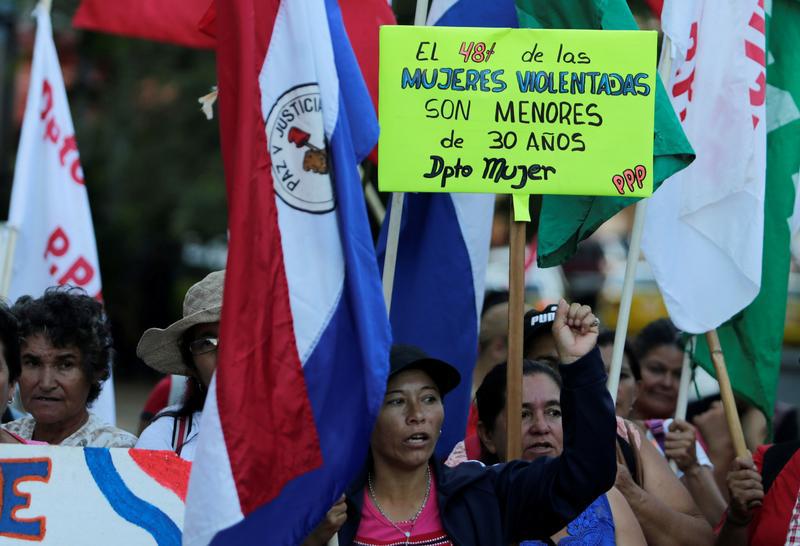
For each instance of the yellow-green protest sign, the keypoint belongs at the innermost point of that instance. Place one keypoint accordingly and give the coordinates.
(516, 111)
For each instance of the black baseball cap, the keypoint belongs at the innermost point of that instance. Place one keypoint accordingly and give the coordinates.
(538, 322)
(410, 357)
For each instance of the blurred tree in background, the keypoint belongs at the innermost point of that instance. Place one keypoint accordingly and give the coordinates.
(151, 161)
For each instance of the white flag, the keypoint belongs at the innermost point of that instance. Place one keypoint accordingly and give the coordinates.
(703, 233)
(49, 205)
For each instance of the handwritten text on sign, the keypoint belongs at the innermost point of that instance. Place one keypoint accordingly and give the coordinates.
(516, 111)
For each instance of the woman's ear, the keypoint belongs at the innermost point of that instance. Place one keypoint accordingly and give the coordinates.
(486, 438)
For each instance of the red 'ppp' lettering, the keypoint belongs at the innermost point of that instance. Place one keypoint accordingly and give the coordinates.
(80, 273)
(630, 177)
(57, 244)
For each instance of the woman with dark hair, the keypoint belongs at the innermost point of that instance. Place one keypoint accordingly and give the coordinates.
(65, 355)
(406, 496)
(660, 352)
(186, 347)
(609, 519)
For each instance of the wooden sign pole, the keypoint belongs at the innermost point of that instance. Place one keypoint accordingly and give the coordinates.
(516, 306)
(725, 390)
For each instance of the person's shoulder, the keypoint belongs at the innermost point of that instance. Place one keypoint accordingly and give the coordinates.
(169, 411)
(110, 436)
(158, 434)
(98, 433)
(457, 456)
(454, 478)
(22, 427)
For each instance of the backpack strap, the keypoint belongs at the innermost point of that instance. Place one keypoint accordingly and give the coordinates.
(181, 427)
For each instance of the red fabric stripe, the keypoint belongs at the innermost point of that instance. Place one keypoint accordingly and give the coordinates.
(759, 96)
(266, 416)
(684, 86)
(755, 53)
(693, 49)
(362, 19)
(757, 22)
(655, 6)
(175, 21)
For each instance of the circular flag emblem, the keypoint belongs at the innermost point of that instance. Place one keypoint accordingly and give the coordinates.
(299, 151)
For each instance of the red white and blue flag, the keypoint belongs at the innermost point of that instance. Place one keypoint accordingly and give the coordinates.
(304, 337)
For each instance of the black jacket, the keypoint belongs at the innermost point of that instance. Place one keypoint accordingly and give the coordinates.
(493, 506)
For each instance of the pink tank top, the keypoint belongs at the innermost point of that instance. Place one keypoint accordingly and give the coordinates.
(375, 530)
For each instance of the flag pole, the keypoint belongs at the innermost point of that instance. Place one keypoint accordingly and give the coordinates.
(398, 200)
(635, 251)
(392, 241)
(626, 300)
(374, 202)
(10, 243)
(686, 379)
(516, 302)
(725, 390)
(683, 389)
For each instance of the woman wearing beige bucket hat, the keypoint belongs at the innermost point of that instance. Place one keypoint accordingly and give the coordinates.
(186, 347)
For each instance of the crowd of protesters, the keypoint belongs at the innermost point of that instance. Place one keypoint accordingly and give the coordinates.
(590, 472)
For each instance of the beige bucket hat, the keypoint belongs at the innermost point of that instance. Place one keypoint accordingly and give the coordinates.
(160, 349)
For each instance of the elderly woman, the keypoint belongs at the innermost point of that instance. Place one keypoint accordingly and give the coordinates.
(65, 353)
(406, 497)
(186, 347)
